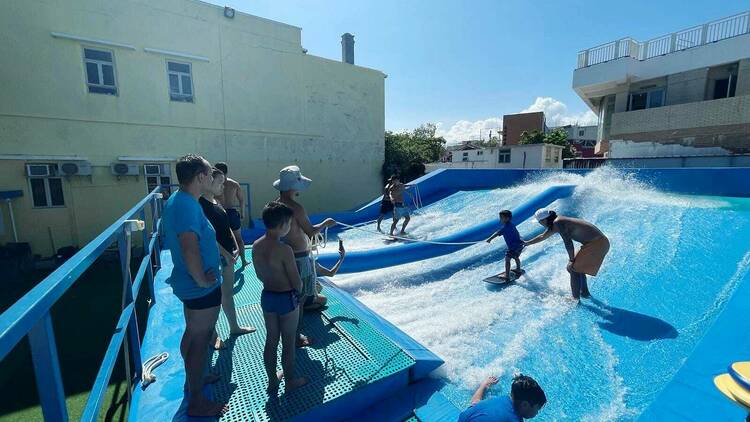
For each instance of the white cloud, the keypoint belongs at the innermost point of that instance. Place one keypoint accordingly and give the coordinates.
(464, 130)
(556, 112)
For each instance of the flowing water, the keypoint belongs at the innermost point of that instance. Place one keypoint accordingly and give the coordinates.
(674, 261)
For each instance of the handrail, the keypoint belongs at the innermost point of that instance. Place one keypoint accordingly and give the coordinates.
(715, 30)
(31, 316)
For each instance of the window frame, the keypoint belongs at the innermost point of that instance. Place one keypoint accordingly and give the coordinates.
(99, 64)
(503, 153)
(181, 97)
(47, 192)
(649, 92)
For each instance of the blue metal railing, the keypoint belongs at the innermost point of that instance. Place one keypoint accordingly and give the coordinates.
(30, 315)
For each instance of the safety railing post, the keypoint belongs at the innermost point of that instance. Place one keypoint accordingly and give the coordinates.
(123, 246)
(47, 370)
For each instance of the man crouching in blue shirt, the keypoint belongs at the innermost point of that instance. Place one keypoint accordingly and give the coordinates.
(512, 241)
(525, 401)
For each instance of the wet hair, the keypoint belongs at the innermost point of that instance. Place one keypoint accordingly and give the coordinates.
(223, 167)
(190, 166)
(506, 213)
(275, 214)
(525, 388)
(550, 219)
(216, 172)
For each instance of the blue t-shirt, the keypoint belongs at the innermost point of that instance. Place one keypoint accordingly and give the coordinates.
(183, 214)
(511, 236)
(496, 409)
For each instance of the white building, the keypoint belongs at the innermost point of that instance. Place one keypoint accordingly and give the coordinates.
(533, 156)
(683, 93)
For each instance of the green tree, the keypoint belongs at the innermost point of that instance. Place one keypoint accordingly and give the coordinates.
(407, 152)
(554, 137)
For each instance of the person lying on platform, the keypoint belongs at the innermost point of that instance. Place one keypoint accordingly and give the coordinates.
(513, 242)
(526, 400)
(319, 300)
(275, 266)
(588, 259)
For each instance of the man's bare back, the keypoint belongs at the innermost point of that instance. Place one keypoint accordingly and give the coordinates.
(296, 238)
(397, 192)
(272, 260)
(231, 196)
(576, 229)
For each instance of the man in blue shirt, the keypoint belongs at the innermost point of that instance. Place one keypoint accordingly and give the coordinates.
(512, 241)
(195, 278)
(525, 400)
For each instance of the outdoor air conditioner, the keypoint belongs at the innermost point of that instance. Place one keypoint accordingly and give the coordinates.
(76, 168)
(124, 169)
(40, 170)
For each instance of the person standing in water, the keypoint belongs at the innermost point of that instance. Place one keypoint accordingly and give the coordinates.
(400, 209)
(588, 259)
(233, 202)
(386, 206)
(228, 250)
(290, 183)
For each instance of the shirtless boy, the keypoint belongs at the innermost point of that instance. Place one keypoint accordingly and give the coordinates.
(400, 209)
(588, 259)
(233, 202)
(290, 183)
(274, 264)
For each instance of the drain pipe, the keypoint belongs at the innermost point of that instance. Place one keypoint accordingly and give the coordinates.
(12, 220)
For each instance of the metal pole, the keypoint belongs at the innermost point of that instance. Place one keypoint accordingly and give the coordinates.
(12, 220)
(123, 246)
(47, 370)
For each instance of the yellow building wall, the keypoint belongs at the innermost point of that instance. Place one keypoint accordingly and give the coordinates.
(260, 104)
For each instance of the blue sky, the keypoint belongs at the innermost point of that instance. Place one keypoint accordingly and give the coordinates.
(463, 64)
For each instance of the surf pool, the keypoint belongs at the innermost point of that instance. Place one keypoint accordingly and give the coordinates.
(673, 263)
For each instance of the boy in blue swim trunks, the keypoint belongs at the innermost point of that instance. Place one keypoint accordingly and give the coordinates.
(275, 266)
(525, 401)
(512, 241)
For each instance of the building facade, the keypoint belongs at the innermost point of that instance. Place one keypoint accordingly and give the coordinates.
(582, 138)
(684, 93)
(100, 98)
(516, 124)
(532, 156)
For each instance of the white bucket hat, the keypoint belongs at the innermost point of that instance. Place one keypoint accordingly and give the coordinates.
(291, 178)
(542, 214)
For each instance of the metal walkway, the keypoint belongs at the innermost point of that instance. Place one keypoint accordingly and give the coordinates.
(348, 356)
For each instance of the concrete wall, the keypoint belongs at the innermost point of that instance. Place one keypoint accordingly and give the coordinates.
(687, 87)
(703, 114)
(260, 104)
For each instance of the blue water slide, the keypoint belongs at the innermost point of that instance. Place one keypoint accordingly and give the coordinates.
(358, 261)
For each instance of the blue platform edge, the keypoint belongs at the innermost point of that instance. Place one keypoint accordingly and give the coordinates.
(426, 361)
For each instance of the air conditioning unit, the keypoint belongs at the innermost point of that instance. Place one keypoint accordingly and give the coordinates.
(41, 170)
(76, 168)
(124, 169)
(156, 169)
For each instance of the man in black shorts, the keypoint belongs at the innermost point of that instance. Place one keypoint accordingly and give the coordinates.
(386, 206)
(233, 202)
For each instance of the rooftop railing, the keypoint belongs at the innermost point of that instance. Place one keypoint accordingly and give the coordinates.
(717, 30)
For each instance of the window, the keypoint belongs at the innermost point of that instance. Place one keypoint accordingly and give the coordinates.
(465, 157)
(725, 88)
(503, 156)
(480, 152)
(46, 192)
(100, 71)
(153, 181)
(646, 99)
(581, 132)
(180, 81)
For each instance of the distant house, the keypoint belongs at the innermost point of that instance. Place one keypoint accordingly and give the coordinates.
(532, 156)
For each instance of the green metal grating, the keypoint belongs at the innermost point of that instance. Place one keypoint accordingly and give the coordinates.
(412, 418)
(347, 354)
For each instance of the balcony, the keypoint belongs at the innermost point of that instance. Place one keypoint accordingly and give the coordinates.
(696, 36)
(688, 117)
